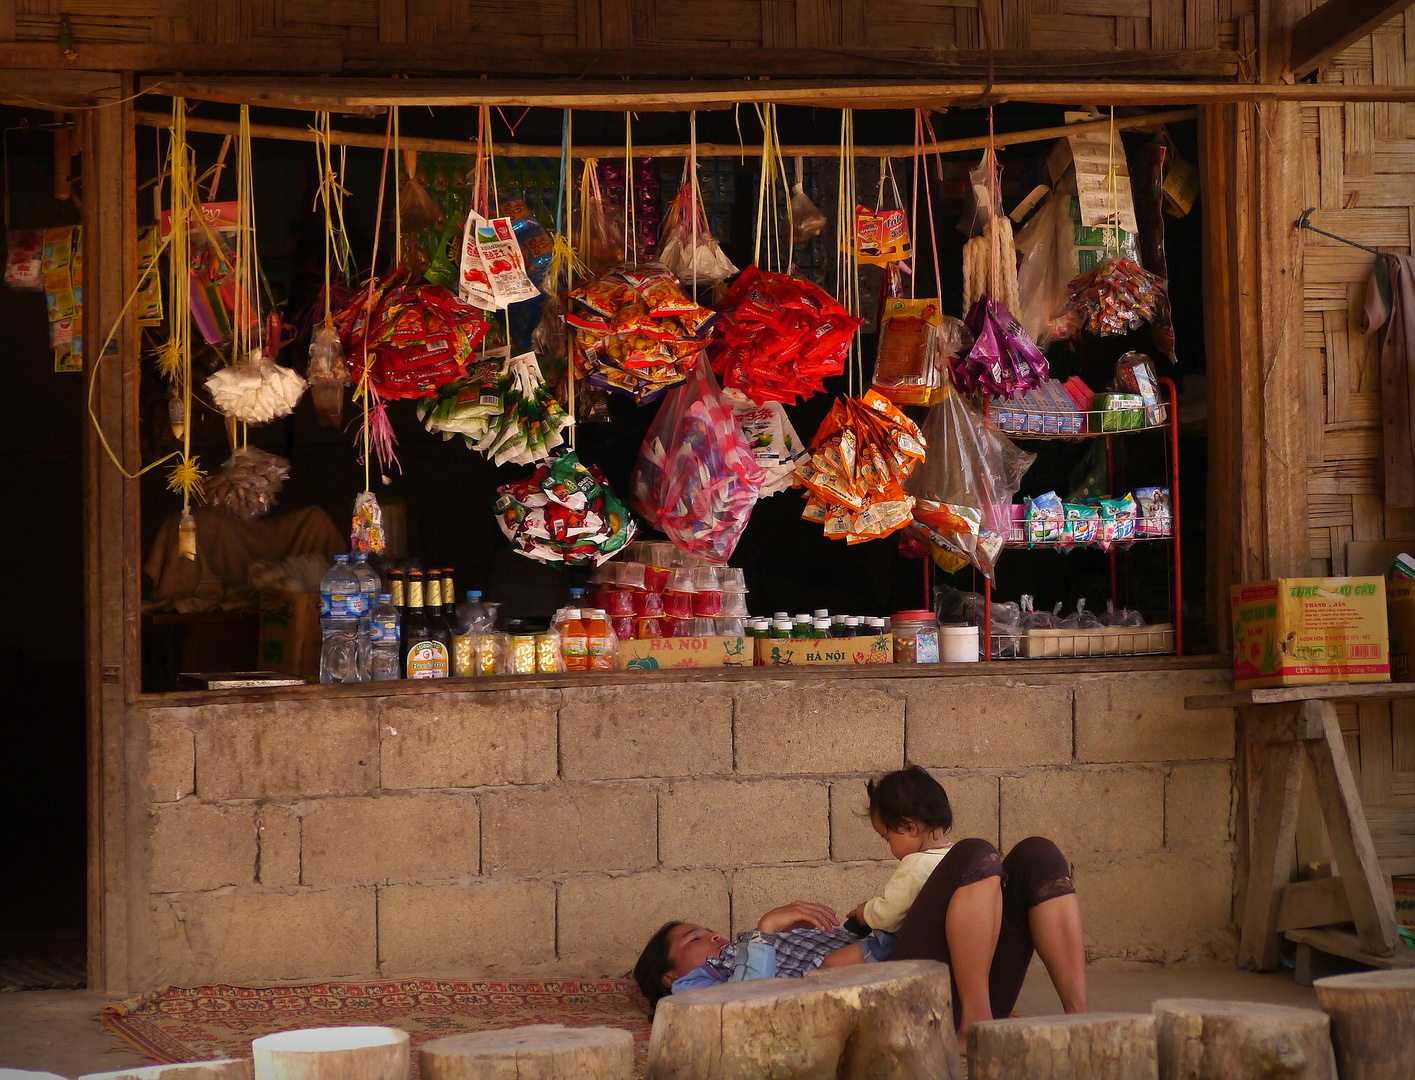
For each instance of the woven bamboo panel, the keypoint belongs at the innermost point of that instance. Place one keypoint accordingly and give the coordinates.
(895, 24)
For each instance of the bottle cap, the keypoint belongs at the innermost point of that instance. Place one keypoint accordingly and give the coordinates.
(852, 620)
(780, 615)
(473, 594)
(570, 612)
(822, 624)
(822, 613)
(803, 618)
(385, 598)
(577, 593)
(341, 558)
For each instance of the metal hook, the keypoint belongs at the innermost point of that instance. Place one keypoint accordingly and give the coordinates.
(1305, 222)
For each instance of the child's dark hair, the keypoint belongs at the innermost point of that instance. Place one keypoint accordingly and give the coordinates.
(910, 794)
(652, 964)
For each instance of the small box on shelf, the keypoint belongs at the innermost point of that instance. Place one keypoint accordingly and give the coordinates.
(651, 654)
(776, 652)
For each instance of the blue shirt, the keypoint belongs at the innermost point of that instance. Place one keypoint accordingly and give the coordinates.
(786, 955)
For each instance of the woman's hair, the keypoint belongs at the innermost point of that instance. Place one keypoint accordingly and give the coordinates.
(910, 794)
(653, 964)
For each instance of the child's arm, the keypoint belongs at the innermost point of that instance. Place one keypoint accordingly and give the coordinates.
(886, 912)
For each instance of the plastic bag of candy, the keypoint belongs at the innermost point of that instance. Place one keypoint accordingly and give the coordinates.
(696, 479)
(248, 483)
(564, 513)
(1115, 298)
(779, 338)
(863, 452)
(689, 249)
(514, 420)
(1003, 361)
(773, 439)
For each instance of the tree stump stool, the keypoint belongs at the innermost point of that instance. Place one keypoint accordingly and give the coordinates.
(224, 1069)
(1096, 1046)
(1216, 1040)
(1372, 1023)
(338, 1053)
(871, 1022)
(535, 1052)
(25, 1074)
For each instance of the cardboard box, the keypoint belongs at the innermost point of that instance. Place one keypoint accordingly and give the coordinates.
(1404, 889)
(289, 633)
(1400, 618)
(1304, 631)
(650, 654)
(775, 652)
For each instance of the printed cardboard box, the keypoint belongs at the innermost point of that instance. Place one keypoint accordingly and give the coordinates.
(1303, 631)
(774, 652)
(289, 633)
(1400, 615)
(651, 654)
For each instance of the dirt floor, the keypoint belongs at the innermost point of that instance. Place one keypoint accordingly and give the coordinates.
(57, 1031)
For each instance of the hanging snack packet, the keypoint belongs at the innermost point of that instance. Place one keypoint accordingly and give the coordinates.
(1082, 524)
(24, 258)
(881, 237)
(366, 533)
(773, 440)
(513, 420)
(1003, 361)
(564, 513)
(912, 358)
(493, 269)
(248, 483)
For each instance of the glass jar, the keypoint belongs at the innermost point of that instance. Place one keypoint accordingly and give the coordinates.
(915, 637)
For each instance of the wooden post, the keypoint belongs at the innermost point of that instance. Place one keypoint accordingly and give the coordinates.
(1224, 1040)
(535, 1052)
(1372, 1023)
(1270, 862)
(1096, 1046)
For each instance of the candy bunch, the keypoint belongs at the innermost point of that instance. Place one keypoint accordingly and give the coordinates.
(564, 513)
(1115, 298)
(513, 418)
(697, 479)
(636, 330)
(779, 338)
(1003, 361)
(864, 451)
(419, 337)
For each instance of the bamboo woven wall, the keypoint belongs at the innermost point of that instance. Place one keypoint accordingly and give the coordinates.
(1162, 25)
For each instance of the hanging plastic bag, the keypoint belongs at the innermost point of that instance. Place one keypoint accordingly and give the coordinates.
(696, 479)
(916, 342)
(774, 442)
(564, 513)
(248, 483)
(963, 491)
(24, 258)
(328, 375)
(255, 391)
(1003, 359)
(688, 248)
(1047, 245)
(493, 268)
(807, 221)
(515, 421)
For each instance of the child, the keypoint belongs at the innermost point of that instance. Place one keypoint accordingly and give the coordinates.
(909, 809)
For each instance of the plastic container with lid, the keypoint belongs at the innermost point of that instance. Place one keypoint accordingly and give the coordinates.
(675, 628)
(915, 637)
(803, 626)
(648, 604)
(734, 605)
(731, 579)
(679, 593)
(623, 626)
(650, 627)
(821, 628)
(601, 643)
(729, 627)
(958, 644)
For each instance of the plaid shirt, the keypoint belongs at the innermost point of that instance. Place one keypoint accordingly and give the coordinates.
(797, 951)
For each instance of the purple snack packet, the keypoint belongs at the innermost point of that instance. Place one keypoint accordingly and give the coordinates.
(1004, 361)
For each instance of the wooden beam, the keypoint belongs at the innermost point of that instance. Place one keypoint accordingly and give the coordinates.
(1313, 903)
(524, 150)
(1333, 26)
(1271, 859)
(351, 94)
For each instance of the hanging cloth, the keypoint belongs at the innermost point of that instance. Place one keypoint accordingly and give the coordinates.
(1390, 305)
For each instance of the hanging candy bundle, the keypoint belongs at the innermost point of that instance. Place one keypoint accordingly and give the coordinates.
(1003, 360)
(513, 420)
(419, 336)
(861, 456)
(779, 338)
(637, 331)
(696, 479)
(1114, 299)
(564, 512)
(689, 249)
(248, 483)
(256, 391)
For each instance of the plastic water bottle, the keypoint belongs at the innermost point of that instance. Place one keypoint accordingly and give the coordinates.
(472, 615)
(383, 656)
(369, 587)
(340, 610)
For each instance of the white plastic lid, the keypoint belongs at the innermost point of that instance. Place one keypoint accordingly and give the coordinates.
(822, 613)
(852, 620)
(822, 624)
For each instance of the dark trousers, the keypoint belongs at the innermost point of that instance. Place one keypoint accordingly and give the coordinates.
(1034, 871)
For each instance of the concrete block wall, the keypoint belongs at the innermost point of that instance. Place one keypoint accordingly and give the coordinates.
(551, 831)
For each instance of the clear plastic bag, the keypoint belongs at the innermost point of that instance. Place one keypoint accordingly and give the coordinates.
(1080, 619)
(963, 489)
(689, 248)
(1047, 245)
(696, 479)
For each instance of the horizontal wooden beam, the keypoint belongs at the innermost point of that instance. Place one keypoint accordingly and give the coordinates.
(1336, 24)
(678, 150)
(55, 89)
(710, 61)
(679, 96)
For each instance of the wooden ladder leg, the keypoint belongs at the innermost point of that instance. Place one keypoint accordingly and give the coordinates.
(1372, 908)
(1274, 845)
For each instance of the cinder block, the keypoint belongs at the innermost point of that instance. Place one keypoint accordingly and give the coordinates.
(1140, 716)
(1161, 907)
(1086, 810)
(786, 728)
(468, 740)
(264, 935)
(294, 748)
(393, 839)
(486, 927)
(972, 797)
(618, 733)
(568, 828)
(171, 754)
(592, 944)
(197, 846)
(1198, 806)
(278, 835)
(996, 724)
(839, 886)
(731, 823)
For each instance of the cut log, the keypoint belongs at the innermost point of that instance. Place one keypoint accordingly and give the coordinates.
(870, 1022)
(338, 1053)
(224, 1069)
(24, 1074)
(1372, 1023)
(1219, 1040)
(1097, 1046)
(537, 1052)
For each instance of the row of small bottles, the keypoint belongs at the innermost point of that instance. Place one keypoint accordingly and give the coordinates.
(819, 625)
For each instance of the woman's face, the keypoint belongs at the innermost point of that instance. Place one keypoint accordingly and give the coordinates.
(688, 946)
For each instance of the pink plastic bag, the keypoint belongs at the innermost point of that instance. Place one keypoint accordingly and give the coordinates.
(696, 479)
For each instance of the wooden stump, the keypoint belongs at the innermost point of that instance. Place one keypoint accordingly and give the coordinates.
(1218, 1040)
(337, 1053)
(1372, 1023)
(536, 1052)
(869, 1022)
(25, 1074)
(224, 1069)
(1096, 1046)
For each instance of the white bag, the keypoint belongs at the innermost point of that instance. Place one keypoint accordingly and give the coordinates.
(493, 269)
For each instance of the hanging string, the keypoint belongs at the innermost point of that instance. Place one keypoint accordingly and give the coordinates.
(1112, 176)
(694, 195)
(566, 157)
(364, 389)
(631, 238)
(186, 474)
(921, 166)
(994, 208)
(397, 195)
(847, 266)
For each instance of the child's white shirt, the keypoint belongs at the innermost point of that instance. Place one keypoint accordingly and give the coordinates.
(886, 912)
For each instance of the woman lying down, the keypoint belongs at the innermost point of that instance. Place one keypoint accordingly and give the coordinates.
(961, 903)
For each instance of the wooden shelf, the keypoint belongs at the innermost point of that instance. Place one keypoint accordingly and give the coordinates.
(1276, 695)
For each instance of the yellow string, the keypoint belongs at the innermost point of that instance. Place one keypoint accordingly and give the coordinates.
(1112, 176)
(397, 195)
(629, 237)
(569, 272)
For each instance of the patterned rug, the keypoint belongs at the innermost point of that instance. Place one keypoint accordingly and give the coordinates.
(181, 1024)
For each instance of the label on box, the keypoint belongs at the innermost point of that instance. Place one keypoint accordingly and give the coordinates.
(786, 652)
(651, 654)
(1302, 631)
